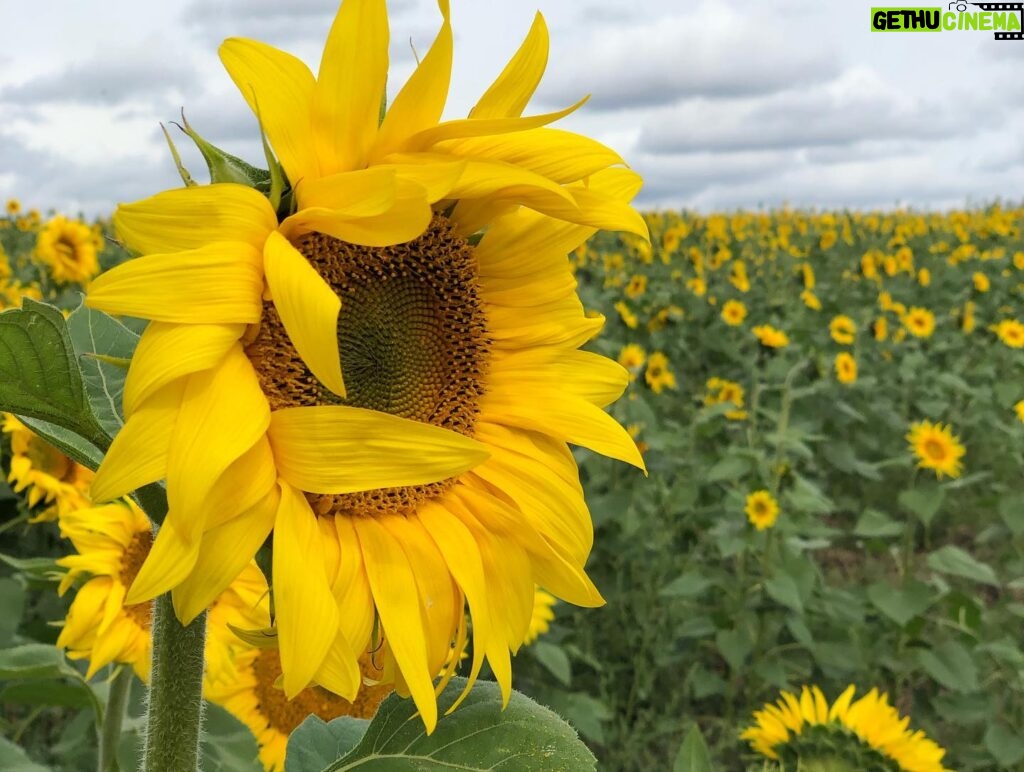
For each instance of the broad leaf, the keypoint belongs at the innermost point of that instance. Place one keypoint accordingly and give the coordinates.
(923, 502)
(34, 660)
(104, 347)
(693, 755)
(478, 735)
(901, 604)
(951, 665)
(316, 744)
(39, 377)
(14, 759)
(955, 561)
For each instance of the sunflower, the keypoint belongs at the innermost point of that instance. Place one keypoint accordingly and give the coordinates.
(1018, 408)
(249, 692)
(112, 541)
(659, 375)
(428, 263)
(880, 329)
(924, 277)
(542, 617)
(68, 249)
(810, 300)
(846, 368)
(697, 286)
(626, 314)
(637, 286)
(13, 207)
(1010, 332)
(45, 474)
(721, 390)
(762, 509)
(632, 357)
(967, 319)
(981, 282)
(842, 329)
(920, 322)
(867, 735)
(936, 447)
(734, 312)
(770, 337)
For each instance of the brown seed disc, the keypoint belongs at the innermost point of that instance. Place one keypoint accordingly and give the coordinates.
(134, 556)
(413, 341)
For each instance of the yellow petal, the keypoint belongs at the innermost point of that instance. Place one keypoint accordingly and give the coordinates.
(224, 553)
(245, 483)
(306, 613)
(308, 309)
(350, 86)
(537, 371)
(215, 284)
(188, 218)
(353, 194)
(279, 89)
(421, 101)
(565, 416)
(406, 220)
(558, 155)
(138, 454)
(338, 449)
(394, 592)
(352, 588)
(508, 96)
(223, 414)
(480, 127)
(169, 351)
(169, 562)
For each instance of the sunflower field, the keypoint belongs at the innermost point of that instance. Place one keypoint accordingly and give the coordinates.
(831, 411)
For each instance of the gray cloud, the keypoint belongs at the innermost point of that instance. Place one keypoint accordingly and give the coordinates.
(857, 106)
(714, 53)
(113, 76)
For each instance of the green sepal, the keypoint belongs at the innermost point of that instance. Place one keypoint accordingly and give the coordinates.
(225, 167)
(182, 171)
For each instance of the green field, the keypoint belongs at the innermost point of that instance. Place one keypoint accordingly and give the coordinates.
(894, 560)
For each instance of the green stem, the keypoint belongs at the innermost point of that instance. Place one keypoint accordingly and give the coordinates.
(113, 717)
(175, 693)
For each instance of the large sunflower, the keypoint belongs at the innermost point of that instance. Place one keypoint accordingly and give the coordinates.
(427, 262)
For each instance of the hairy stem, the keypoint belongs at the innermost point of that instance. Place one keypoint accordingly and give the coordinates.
(113, 717)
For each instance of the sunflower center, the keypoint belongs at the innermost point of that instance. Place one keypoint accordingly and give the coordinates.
(285, 715)
(134, 556)
(46, 458)
(412, 340)
(935, 450)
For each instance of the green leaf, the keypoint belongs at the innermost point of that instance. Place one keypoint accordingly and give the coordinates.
(12, 603)
(39, 569)
(316, 744)
(75, 694)
(955, 561)
(94, 333)
(478, 735)
(923, 502)
(1011, 510)
(901, 604)
(693, 755)
(726, 469)
(227, 745)
(874, 524)
(782, 589)
(67, 442)
(13, 759)
(951, 665)
(39, 376)
(688, 585)
(554, 659)
(734, 646)
(1005, 745)
(34, 660)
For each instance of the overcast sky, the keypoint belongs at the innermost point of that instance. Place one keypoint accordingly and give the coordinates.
(719, 104)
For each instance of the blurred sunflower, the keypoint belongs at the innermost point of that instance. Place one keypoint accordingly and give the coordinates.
(810, 300)
(867, 735)
(249, 691)
(762, 509)
(880, 329)
(628, 317)
(981, 282)
(112, 541)
(846, 368)
(436, 474)
(924, 277)
(842, 329)
(632, 357)
(1018, 408)
(43, 473)
(770, 337)
(68, 249)
(734, 312)
(721, 390)
(936, 448)
(967, 319)
(920, 322)
(13, 207)
(1010, 332)
(637, 286)
(542, 617)
(659, 375)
